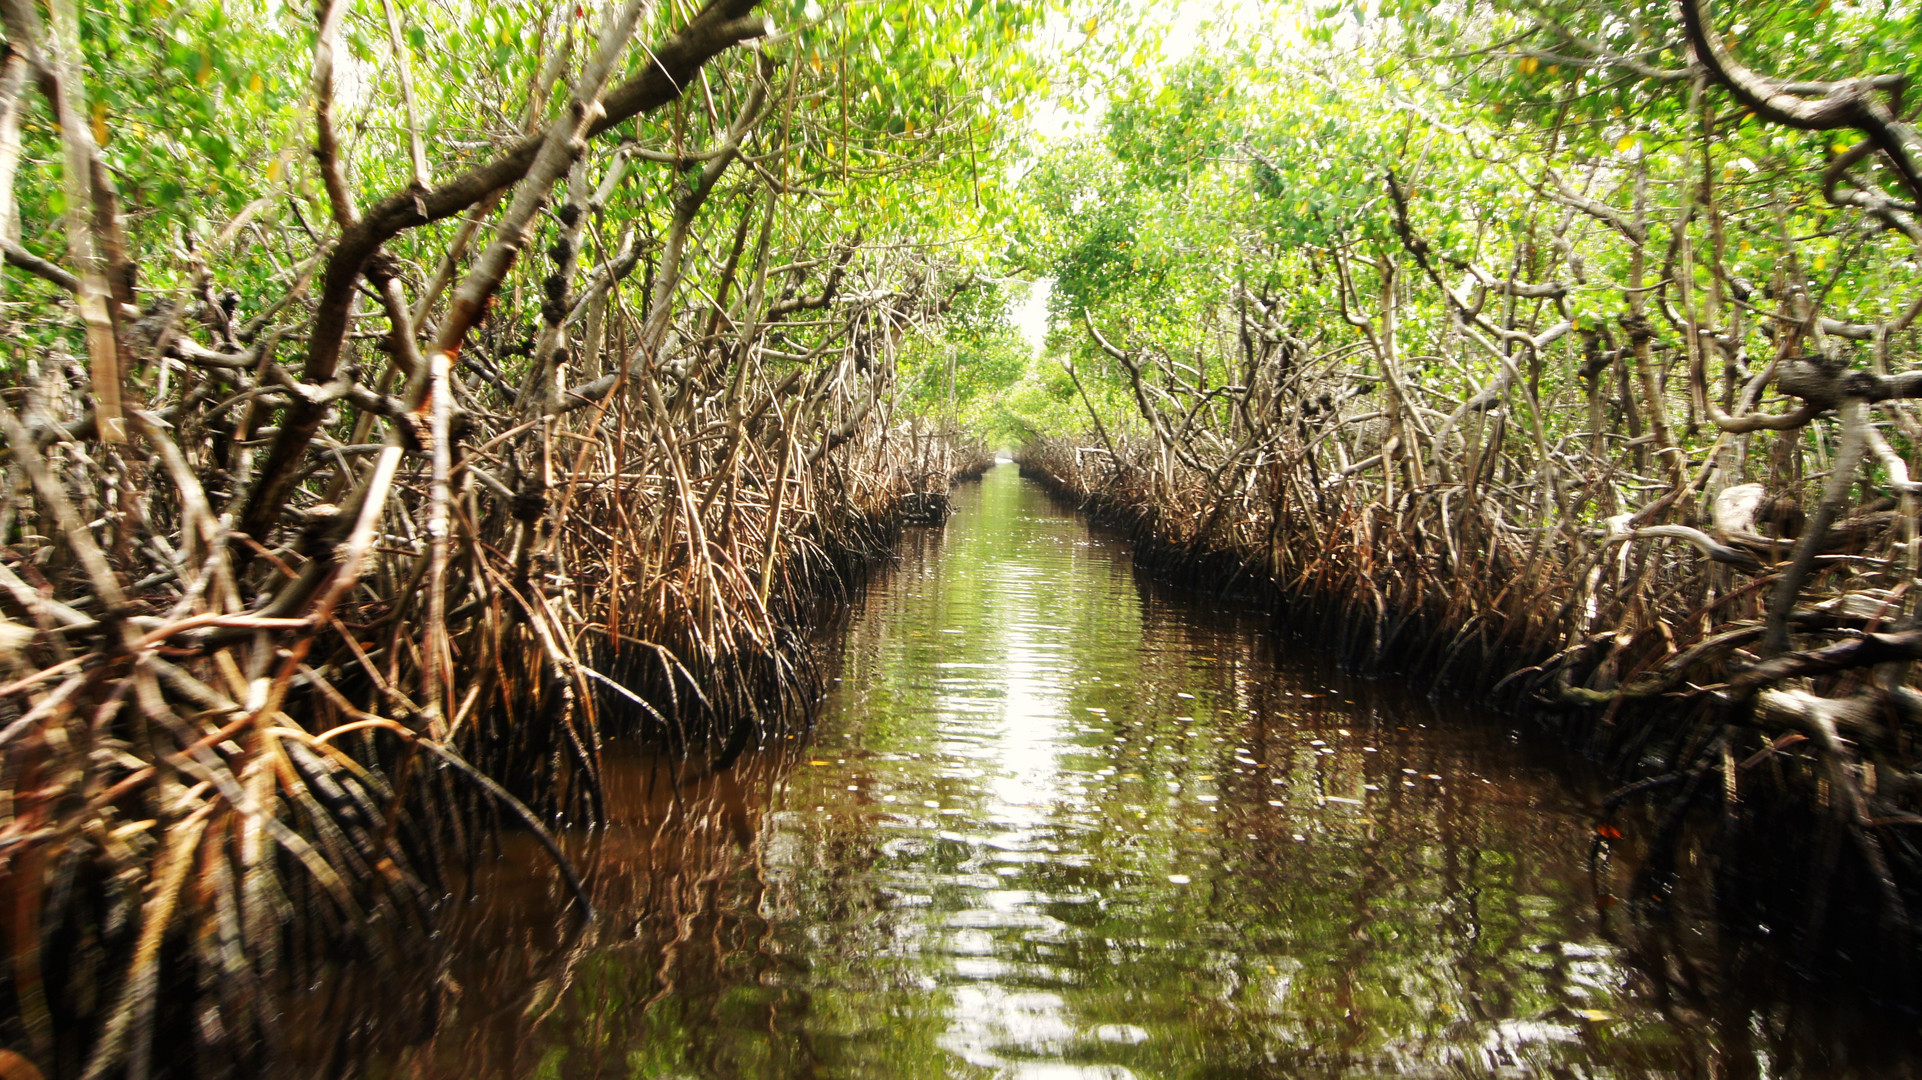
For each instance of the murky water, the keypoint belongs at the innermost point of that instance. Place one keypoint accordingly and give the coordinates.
(1059, 823)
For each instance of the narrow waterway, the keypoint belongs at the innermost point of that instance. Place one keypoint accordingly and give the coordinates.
(1057, 822)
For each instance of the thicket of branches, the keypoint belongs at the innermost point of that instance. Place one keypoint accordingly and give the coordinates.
(401, 399)
(1566, 352)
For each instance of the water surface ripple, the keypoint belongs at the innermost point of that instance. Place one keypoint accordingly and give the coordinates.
(1058, 824)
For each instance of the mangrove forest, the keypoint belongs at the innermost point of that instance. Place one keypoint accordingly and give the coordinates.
(1032, 539)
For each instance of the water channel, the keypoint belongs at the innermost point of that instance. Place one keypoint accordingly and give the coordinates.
(1059, 823)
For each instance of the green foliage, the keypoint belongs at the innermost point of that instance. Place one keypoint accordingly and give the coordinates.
(893, 119)
(1165, 131)
(1258, 171)
(964, 372)
(1083, 230)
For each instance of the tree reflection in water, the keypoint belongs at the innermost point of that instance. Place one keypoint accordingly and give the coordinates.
(1059, 822)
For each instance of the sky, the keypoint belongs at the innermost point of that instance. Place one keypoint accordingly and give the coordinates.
(1030, 313)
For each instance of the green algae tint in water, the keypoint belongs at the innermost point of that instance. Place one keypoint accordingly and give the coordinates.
(1056, 823)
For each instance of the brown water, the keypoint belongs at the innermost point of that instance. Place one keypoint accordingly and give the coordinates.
(1056, 822)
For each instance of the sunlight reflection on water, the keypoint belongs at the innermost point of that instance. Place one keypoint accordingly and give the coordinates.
(1059, 822)
(1103, 759)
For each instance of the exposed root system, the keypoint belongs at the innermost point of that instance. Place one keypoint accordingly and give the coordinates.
(284, 645)
(1640, 653)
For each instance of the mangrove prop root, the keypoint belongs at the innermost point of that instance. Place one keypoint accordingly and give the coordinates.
(534, 500)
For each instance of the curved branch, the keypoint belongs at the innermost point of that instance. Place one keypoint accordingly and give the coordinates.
(721, 25)
(1851, 103)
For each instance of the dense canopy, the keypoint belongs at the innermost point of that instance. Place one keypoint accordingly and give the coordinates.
(402, 398)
